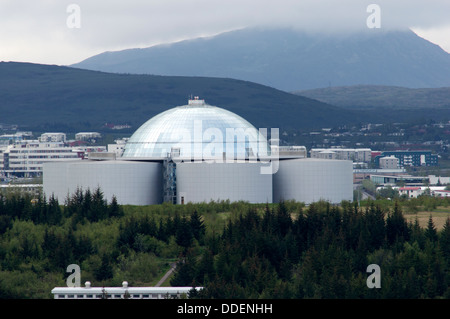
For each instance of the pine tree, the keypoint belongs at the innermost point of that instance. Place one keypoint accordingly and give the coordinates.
(396, 226)
(184, 274)
(184, 234)
(54, 213)
(114, 209)
(104, 272)
(431, 232)
(99, 208)
(197, 226)
(444, 241)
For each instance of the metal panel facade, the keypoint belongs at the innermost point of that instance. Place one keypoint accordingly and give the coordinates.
(133, 183)
(204, 182)
(310, 180)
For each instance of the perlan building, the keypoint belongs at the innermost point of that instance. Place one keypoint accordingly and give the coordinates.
(201, 153)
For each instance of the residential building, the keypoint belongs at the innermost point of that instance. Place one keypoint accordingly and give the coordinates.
(411, 158)
(389, 162)
(25, 158)
(350, 154)
(52, 137)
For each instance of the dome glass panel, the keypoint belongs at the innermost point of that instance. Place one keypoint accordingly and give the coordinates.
(196, 131)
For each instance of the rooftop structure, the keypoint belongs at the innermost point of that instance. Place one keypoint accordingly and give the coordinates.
(124, 292)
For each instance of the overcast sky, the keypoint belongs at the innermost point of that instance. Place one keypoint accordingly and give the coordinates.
(52, 32)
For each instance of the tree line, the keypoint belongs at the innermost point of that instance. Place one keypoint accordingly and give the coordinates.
(322, 253)
(39, 238)
(233, 250)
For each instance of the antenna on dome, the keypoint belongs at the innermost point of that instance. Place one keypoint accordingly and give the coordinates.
(196, 101)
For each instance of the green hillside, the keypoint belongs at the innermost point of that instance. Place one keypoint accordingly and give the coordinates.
(375, 96)
(46, 97)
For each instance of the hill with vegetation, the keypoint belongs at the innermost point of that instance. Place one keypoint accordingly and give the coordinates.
(376, 97)
(48, 98)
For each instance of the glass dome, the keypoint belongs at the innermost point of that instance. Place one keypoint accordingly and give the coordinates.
(197, 131)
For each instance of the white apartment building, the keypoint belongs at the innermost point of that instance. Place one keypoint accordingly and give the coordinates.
(52, 137)
(350, 154)
(25, 158)
(389, 162)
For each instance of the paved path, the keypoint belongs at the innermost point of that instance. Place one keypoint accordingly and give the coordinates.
(163, 279)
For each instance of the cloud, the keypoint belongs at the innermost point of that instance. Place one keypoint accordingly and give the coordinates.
(37, 30)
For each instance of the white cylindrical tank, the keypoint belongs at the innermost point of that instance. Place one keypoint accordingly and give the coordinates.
(132, 183)
(204, 182)
(309, 180)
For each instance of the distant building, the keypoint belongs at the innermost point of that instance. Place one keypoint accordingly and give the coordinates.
(52, 137)
(438, 180)
(85, 136)
(410, 192)
(26, 158)
(389, 162)
(414, 192)
(117, 148)
(441, 193)
(33, 189)
(12, 138)
(393, 180)
(350, 154)
(123, 292)
(360, 174)
(290, 151)
(411, 158)
(85, 151)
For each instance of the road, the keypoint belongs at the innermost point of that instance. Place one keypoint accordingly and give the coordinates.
(168, 273)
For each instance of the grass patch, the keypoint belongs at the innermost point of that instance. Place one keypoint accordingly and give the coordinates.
(439, 217)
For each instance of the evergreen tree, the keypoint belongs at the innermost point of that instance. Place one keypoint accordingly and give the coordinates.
(184, 234)
(54, 213)
(431, 232)
(98, 209)
(114, 209)
(283, 218)
(396, 226)
(105, 271)
(444, 241)
(185, 272)
(197, 226)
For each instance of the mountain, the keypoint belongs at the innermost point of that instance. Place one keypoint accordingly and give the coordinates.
(372, 96)
(289, 60)
(48, 98)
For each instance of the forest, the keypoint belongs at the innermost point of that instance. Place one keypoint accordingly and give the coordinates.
(232, 250)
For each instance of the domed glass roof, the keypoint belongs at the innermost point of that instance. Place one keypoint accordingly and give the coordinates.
(196, 131)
